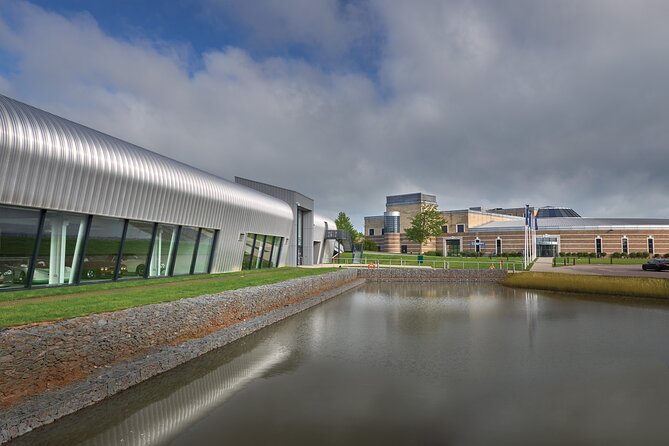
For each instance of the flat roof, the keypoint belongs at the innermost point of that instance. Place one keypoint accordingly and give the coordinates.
(415, 198)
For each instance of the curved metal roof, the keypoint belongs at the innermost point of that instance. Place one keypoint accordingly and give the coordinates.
(49, 162)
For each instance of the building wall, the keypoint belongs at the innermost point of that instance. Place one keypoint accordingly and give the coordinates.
(48, 163)
(575, 241)
(375, 223)
(407, 213)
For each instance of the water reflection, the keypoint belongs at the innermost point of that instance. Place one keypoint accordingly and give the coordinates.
(532, 310)
(411, 364)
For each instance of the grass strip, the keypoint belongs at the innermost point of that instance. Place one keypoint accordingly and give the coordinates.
(561, 261)
(609, 285)
(90, 299)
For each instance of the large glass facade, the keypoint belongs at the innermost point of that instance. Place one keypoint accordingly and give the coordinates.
(204, 251)
(136, 248)
(40, 247)
(261, 251)
(248, 251)
(18, 232)
(60, 249)
(102, 249)
(163, 250)
(276, 252)
(267, 252)
(186, 249)
(258, 251)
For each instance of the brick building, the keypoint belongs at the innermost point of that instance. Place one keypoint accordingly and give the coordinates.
(500, 230)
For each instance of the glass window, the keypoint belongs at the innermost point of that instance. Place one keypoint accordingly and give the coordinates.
(625, 245)
(267, 252)
(248, 251)
(276, 252)
(18, 231)
(163, 249)
(498, 246)
(60, 248)
(452, 248)
(460, 228)
(258, 251)
(204, 250)
(371, 231)
(136, 249)
(300, 235)
(102, 249)
(185, 251)
(651, 246)
(444, 229)
(598, 246)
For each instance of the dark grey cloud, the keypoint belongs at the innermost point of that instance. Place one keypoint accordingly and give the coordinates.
(480, 102)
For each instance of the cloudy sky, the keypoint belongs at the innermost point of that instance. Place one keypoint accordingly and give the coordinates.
(481, 102)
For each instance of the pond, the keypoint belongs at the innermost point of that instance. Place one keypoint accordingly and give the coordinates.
(410, 364)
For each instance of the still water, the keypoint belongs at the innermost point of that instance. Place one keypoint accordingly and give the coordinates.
(410, 364)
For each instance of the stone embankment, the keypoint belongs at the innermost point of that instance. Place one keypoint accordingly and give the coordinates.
(50, 370)
(431, 275)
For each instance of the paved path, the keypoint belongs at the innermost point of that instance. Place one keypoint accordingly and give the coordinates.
(545, 265)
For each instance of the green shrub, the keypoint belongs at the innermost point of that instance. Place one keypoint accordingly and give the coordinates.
(436, 253)
(369, 245)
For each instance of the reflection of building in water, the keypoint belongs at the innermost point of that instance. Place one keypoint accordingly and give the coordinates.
(162, 420)
(532, 312)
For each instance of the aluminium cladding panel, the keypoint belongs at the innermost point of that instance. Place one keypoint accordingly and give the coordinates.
(48, 162)
(321, 225)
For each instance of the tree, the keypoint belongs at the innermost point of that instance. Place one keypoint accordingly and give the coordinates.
(369, 245)
(425, 225)
(344, 224)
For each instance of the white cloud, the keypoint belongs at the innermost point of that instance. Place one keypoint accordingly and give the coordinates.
(321, 26)
(476, 103)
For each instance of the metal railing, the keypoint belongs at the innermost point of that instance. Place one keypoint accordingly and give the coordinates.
(442, 264)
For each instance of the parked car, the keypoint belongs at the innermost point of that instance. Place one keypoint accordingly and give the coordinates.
(19, 272)
(6, 276)
(100, 269)
(134, 264)
(656, 265)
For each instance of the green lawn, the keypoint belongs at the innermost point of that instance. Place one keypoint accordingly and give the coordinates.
(22, 307)
(562, 261)
(436, 261)
(608, 285)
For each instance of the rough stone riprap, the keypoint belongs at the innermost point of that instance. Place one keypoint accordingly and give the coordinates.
(53, 369)
(431, 275)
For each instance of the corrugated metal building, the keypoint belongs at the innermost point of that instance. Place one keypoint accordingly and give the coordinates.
(77, 204)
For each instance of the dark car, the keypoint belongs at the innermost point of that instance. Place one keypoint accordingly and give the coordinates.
(656, 265)
(94, 268)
